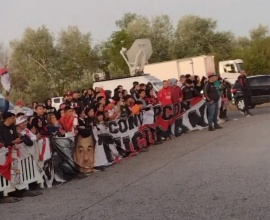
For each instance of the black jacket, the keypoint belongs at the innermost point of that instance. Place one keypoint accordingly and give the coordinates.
(8, 134)
(210, 92)
(244, 84)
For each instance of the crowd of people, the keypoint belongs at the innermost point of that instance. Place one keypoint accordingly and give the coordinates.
(92, 107)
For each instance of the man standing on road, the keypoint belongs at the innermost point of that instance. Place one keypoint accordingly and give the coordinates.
(246, 91)
(212, 97)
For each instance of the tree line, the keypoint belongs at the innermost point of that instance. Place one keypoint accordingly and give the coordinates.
(43, 64)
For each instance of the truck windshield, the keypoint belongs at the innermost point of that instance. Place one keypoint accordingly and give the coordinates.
(239, 67)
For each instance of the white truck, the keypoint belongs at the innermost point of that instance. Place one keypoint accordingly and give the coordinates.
(200, 66)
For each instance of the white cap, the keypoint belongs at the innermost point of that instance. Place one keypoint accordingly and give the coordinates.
(20, 120)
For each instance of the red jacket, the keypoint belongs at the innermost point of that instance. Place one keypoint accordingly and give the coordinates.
(164, 96)
(176, 93)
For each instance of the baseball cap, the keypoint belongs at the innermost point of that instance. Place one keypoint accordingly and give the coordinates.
(211, 74)
(20, 120)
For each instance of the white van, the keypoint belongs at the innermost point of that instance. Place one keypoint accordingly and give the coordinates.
(57, 101)
(127, 82)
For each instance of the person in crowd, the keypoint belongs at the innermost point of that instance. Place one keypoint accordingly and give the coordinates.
(22, 130)
(39, 121)
(53, 126)
(143, 86)
(91, 94)
(133, 89)
(141, 98)
(176, 92)
(189, 92)
(67, 120)
(90, 115)
(218, 84)
(225, 100)
(18, 107)
(164, 95)
(150, 97)
(134, 93)
(129, 103)
(203, 81)
(99, 109)
(182, 81)
(76, 102)
(124, 92)
(48, 107)
(197, 83)
(246, 91)
(113, 111)
(34, 104)
(85, 98)
(212, 97)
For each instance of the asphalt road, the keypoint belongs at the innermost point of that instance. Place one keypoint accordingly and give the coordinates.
(202, 175)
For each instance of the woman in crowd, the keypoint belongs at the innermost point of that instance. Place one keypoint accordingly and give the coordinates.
(48, 107)
(150, 97)
(53, 127)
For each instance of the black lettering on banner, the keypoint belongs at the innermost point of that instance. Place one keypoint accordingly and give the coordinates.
(149, 135)
(180, 128)
(113, 127)
(105, 140)
(165, 116)
(122, 125)
(131, 122)
(119, 148)
(176, 108)
(202, 110)
(138, 140)
(194, 118)
(126, 142)
(157, 112)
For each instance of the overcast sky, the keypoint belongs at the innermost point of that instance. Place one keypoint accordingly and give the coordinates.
(99, 16)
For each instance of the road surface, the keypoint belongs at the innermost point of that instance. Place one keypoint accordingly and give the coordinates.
(202, 175)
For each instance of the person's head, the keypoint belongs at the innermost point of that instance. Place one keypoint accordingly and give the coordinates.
(20, 103)
(212, 77)
(40, 110)
(141, 93)
(100, 107)
(129, 100)
(84, 92)
(34, 104)
(90, 112)
(51, 119)
(173, 82)
(48, 102)
(101, 100)
(183, 79)
(98, 89)
(76, 94)
(9, 118)
(100, 116)
(189, 83)
(120, 88)
(196, 79)
(21, 122)
(165, 84)
(69, 96)
(243, 72)
(68, 111)
(135, 83)
(149, 93)
(84, 151)
(188, 76)
(124, 92)
(91, 92)
(137, 87)
(142, 86)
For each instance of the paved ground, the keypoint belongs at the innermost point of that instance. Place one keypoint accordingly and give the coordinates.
(219, 175)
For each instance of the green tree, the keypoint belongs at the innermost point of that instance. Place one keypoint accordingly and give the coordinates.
(196, 36)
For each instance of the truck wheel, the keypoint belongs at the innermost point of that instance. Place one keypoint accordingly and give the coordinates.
(240, 104)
